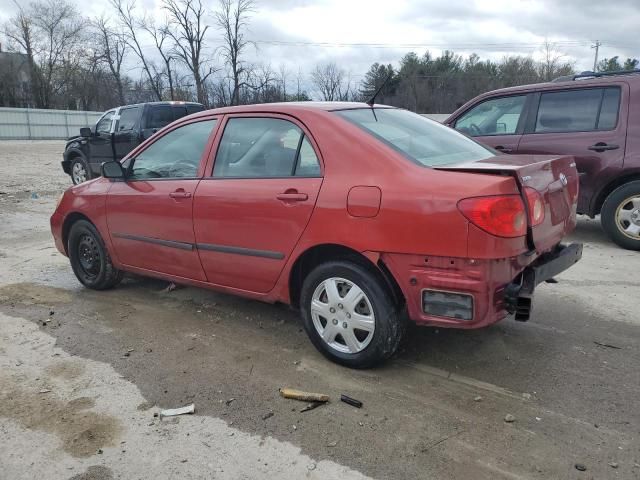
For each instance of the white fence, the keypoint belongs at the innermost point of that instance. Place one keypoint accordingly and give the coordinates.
(38, 124)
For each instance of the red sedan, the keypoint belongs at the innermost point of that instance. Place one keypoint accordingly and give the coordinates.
(357, 215)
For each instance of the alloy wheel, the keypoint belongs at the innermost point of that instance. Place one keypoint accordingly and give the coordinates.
(628, 217)
(79, 173)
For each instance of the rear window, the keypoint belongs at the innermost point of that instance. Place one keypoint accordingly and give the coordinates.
(423, 141)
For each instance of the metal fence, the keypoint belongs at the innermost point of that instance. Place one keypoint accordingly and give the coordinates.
(38, 124)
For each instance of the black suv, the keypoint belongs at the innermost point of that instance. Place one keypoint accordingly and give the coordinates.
(118, 132)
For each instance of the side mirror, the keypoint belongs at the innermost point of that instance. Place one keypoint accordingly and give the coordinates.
(112, 170)
(85, 132)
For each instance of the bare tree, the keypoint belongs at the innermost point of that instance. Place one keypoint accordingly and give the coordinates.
(160, 35)
(188, 29)
(131, 25)
(552, 64)
(232, 20)
(113, 48)
(329, 80)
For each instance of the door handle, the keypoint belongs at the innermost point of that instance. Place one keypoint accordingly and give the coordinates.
(292, 196)
(601, 147)
(180, 193)
(502, 149)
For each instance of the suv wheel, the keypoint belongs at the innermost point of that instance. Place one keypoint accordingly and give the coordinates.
(80, 171)
(350, 315)
(620, 215)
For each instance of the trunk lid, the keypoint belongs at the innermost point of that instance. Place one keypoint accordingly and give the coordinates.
(555, 178)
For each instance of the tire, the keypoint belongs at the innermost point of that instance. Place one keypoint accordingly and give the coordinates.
(620, 215)
(90, 259)
(79, 170)
(376, 310)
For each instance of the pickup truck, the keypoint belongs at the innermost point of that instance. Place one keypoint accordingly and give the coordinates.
(116, 133)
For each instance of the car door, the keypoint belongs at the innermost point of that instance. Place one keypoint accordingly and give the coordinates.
(100, 145)
(496, 122)
(149, 215)
(588, 123)
(252, 209)
(157, 117)
(127, 130)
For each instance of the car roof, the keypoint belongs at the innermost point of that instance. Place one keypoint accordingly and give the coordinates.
(288, 107)
(166, 102)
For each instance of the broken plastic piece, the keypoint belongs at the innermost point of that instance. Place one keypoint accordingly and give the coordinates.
(351, 401)
(171, 412)
(311, 406)
(304, 396)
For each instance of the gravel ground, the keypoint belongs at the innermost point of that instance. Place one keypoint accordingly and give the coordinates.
(106, 362)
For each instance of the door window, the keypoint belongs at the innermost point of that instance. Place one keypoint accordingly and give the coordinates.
(498, 116)
(128, 118)
(104, 124)
(263, 148)
(175, 155)
(160, 116)
(578, 110)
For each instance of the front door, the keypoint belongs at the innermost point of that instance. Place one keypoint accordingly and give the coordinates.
(496, 122)
(127, 131)
(150, 215)
(583, 122)
(250, 213)
(100, 145)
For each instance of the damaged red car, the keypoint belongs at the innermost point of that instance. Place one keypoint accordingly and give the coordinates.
(360, 216)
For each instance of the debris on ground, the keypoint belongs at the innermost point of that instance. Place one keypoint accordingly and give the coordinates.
(170, 288)
(267, 415)
(509, 418)
(351, 401)
(44, 390)
(303, 396)
(34, 195)
(230, 401)
(607, 345)
(332, 444)
(580, 466)
(311, 406)
(613, 464)
(171, 412)
(44, 322)
(477, 399)
(526, 396)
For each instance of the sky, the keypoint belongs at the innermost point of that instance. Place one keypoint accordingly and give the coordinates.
(298, 34)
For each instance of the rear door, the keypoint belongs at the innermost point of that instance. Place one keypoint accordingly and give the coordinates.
(157, 117)
(127, 131)
(588, 123)
(150, 214)
(252, 209)
(497, 122)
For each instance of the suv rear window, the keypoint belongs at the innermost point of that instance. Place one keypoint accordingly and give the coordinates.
(578, 110)
(423, 141)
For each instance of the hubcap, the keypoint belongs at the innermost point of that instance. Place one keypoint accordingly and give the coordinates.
(342, 315)
(79, 173)
(628, 217)
(89, 255)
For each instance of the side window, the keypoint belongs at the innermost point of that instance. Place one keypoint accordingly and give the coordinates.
(308, 164)
(258, 148)
(128, 118)
(159, 116)
(104, 124)
(569, 111)
(609, 111)
(498, 116)
(175, 155)
(194, 108)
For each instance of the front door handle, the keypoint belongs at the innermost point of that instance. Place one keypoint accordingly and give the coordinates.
(292, 195)
(602, 146)
(180, 193)
(503, 149)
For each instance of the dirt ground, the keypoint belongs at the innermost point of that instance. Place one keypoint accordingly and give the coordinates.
(83, 374)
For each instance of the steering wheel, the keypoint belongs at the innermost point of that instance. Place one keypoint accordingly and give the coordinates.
(474, 130)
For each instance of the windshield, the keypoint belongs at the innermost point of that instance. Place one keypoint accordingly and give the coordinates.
(421, 140)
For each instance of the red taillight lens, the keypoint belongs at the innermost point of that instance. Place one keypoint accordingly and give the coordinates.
(500, 215)
(536, 206)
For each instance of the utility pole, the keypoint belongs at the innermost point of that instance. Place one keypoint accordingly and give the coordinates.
(595, 60)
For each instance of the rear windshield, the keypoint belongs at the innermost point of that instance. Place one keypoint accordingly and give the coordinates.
(421, 140)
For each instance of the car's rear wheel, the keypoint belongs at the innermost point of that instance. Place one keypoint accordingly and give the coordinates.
(90, 259)
(80, 171)
(349, 314)
(620, 215)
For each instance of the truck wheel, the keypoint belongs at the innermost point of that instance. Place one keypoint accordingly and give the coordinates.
(620, 215)
(80, 171)
(90, 259)
(350, 315)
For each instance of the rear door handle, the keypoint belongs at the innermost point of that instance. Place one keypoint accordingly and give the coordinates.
(180, 193)
(601, 147)
(292, 196)
(503, 149)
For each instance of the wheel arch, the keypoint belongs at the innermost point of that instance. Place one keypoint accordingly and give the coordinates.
(318, 254)
(69, 220)
(610, 187)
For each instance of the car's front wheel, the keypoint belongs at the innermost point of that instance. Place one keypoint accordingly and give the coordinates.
(90, 259)
(620, 215)
(80, 171)
(349, 314)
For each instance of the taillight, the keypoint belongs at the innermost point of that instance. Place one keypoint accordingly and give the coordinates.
(536, 206)
(499, 215)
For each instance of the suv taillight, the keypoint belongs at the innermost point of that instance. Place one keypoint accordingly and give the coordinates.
(536, 206)
(499, 215)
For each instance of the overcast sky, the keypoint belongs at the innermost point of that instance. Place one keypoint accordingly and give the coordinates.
(357, 33)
